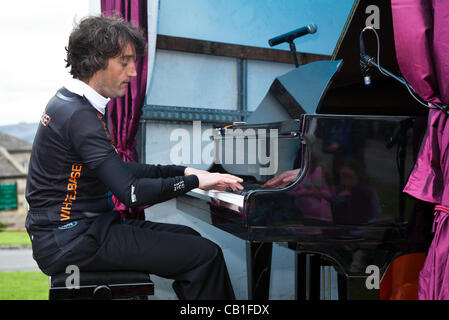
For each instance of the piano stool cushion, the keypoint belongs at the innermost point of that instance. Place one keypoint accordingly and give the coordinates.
(102, 285)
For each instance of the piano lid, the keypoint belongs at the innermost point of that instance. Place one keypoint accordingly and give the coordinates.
(336, 86)
(296, 92)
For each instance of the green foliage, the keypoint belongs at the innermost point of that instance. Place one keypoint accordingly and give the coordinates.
(23, 285)
(14, 238)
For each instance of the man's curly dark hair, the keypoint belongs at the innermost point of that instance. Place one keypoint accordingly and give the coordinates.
(96, 39)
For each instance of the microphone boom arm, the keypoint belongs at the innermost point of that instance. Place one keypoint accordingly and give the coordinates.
(365, 59)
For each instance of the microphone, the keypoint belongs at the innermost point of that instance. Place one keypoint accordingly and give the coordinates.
(364, 62)
(292, 35)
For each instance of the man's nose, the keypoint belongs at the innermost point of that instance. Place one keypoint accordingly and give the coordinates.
(132, 69)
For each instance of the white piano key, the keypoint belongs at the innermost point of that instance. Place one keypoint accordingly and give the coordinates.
(219, 195)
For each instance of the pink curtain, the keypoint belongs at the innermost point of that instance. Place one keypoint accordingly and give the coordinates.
(422, 47)
(421, 38)
(124, 113)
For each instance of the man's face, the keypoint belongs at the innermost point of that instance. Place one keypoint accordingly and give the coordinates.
(113, 81)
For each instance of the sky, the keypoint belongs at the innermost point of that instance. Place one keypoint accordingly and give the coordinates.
(32, 67)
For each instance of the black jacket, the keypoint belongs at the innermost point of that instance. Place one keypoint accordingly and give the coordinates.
(74, 164)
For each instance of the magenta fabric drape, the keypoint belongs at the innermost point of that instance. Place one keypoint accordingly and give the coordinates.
(124, 113)
(422, 48)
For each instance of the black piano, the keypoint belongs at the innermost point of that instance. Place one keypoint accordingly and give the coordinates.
(346, 150)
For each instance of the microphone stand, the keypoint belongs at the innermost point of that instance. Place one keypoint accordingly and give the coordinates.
(293, 51)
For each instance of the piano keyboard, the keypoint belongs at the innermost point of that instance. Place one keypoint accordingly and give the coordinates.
(224, 196)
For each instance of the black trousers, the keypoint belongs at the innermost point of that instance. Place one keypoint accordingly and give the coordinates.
(167, 250)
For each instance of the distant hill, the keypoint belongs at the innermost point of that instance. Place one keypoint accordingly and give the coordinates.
(23, 130)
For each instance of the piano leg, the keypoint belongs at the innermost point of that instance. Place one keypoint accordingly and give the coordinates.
(307, 282)
(258, 261)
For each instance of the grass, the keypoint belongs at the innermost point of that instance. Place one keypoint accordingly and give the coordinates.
(14, 238)
(23, 285)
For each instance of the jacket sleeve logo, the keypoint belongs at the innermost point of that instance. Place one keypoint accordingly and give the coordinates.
(45, 119)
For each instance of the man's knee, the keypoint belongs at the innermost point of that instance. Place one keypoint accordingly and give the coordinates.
(210, 251)
(188, 230)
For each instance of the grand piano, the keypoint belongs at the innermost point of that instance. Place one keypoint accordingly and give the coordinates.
(348, 150)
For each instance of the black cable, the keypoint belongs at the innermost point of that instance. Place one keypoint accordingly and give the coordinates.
(370, 61)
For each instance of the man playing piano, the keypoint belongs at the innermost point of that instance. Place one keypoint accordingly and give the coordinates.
(74, 164)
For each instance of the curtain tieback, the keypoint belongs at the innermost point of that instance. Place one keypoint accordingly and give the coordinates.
(437, 214)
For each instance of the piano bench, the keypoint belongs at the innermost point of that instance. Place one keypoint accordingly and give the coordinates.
(116, 285)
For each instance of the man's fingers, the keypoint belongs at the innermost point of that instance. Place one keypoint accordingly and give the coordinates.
(272, 182)
(233, 184)
(219, 181)
(230, 176)
(229, 182)
(288, 180)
